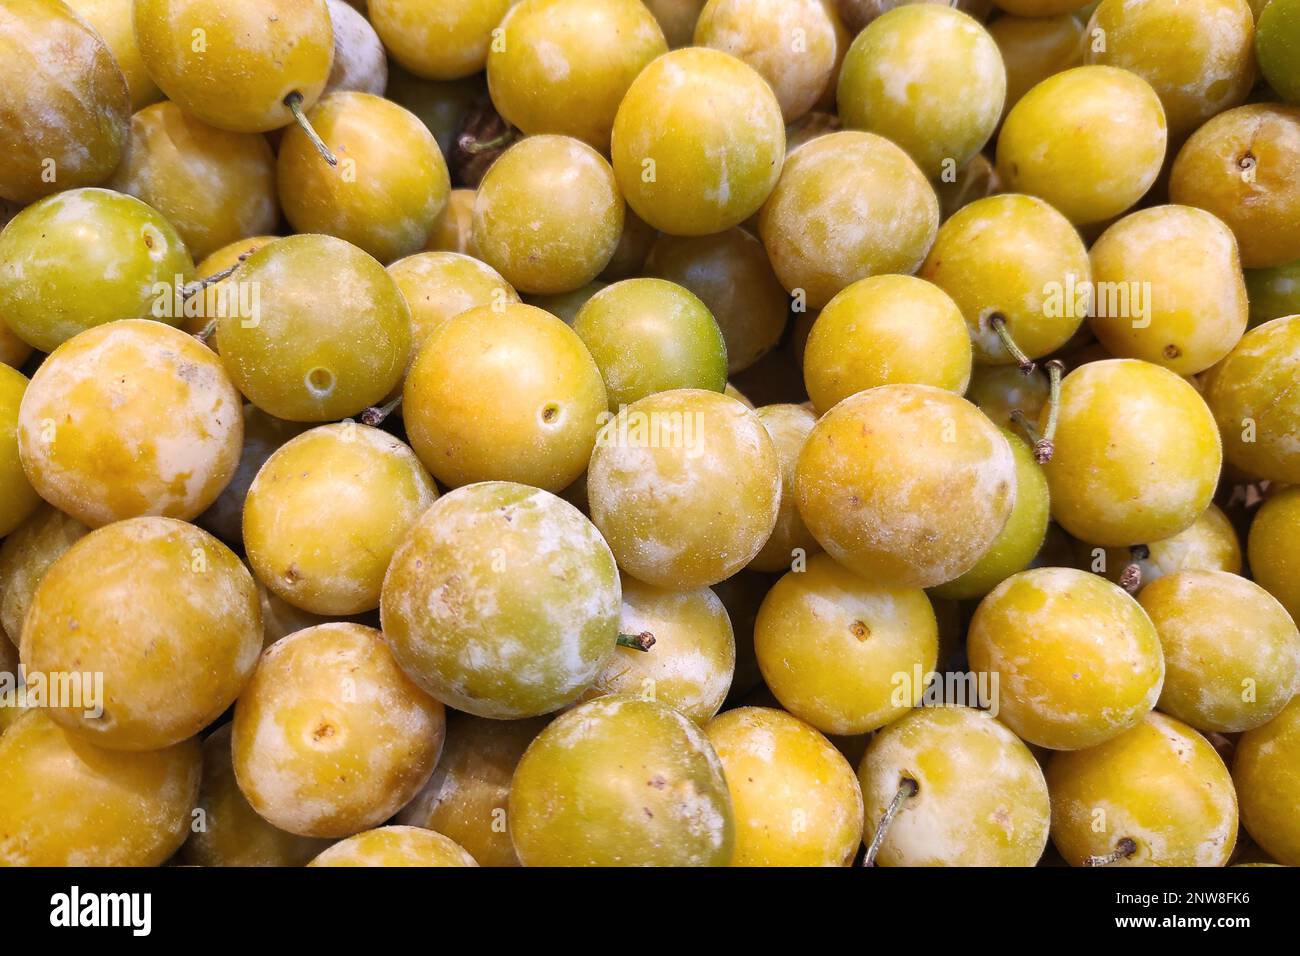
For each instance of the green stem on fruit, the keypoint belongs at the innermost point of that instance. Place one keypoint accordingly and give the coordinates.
(1044, 447)
(374, 416)
(476, 146)
(907, 788)
(999, 325)
(1130, 579)
(198, 285)
(638, 642)
(1026, 426)
(294, 102)
(1124, 849)
(207, 332)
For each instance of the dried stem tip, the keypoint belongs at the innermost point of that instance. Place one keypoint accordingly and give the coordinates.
(1124, 849)
(638, 642)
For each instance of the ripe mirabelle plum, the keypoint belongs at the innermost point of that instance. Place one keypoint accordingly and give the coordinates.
(621, 781)
(1078, 660)
(872, 458)
(262, 436)
(18, 498)
(685, 486)
(438, 39)
(547, 399)
(1193, 314)
(465, 799)
(1156, 795)
(330, 737)
(1232, 653)
(454, 230)
(698, 142)
(796, 799)
(563, 66)
(844, 653)
(1266, 770)
(173, 657)
(66, 802)
(223, 297)
(13, 350)
(848, 205)
(234, 64)
(67, 114)
(502, 601)
(886, 330)
(633, 248)
(1273, 293)
(372, 487)
(677, 18)
(898, 80)
(93, 437)
(439, 286)
(395, 846)
(1274, 548)
(1277, 45)
(789, 427)
(980, 797)
(561, 244)
(25, 556)
(1210, 544)
(1103, 160)
(112, 21)
(1034, 48)
(1137, 454)
(85, 257)
(360, 61)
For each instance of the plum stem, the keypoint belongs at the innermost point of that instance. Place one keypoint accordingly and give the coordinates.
(998, 322)
(207, 331)
(638, 642)
(198, 285)
(907, 788)
(1124, 849)
(476, 146)
(374, 416)
(1045, 446)
(1021, 419)
(294, 102)
(1130, 579)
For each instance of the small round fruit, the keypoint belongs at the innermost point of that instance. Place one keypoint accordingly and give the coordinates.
(886, 330)
(215, 187)
(621, 781)
(112, 21)
(360, 61)
(844, 653)
(980, 797)
(789, 427)
(999, 390)
(1137, 454)
(651, 335)
(1274, 548)
(898, 80)
(331, 333)
(906, 484)
(698, 142)
(439, 286)
(685, 486)
(233, 63)
(1159, 791)
(395, 846)
(796, 800)
(547, 399)
(1168, 311)
(17, 497)
(502, 601)
(1099, 163)
(372, 487)
(1273, 293)
(389, 188)
(1277, 45)
(1077, 660)
(454, 230)
(130, 418)
(1266, 770)
(1232, 653)
(465, 798)
(25, 556)
(1210, 544)
(67, 108)
(677, 18)
(848, 205)
(438, 39)
(330, 737)
(66, 802)
(173, 657)
(85, 257)
(14, 352)
(1034, 48)
(226, 296)
(689, 667)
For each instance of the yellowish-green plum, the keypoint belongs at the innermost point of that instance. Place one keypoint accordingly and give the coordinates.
(1077, 660)
(1276, 43)
(563, 66)
(547, 404)
(93, 437)
(439, 286)
(19, 499)
(999, 390)
(438, 39)
(842, 652)
(1034, 48)
(1210, 544)
(558, 245)
(465, 799)
(698, 142)
(886, 330)
(979, 799)
(1232, 653)
(872, 457)
(329, 337)
(1252, 396)
(13, 350)
(502, 601)
(112, 808)
(1273, 547)
(360, 61)
(372, 487)
(651, 335)
(677, 18)
(621, 781)
(685, 486)
(1274, 293)
(330, 737)
(85, 257)
(633, 248)
(795, 797)
(690, 664)
(25, 556)
(848, 205)
(790, 540)
(225, 296)
(898, 81)
(1137, 454)
(1156, 795)
(1266, 770)
(454, 230)
(396, 846)
(112, 21)
(1103, 160)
